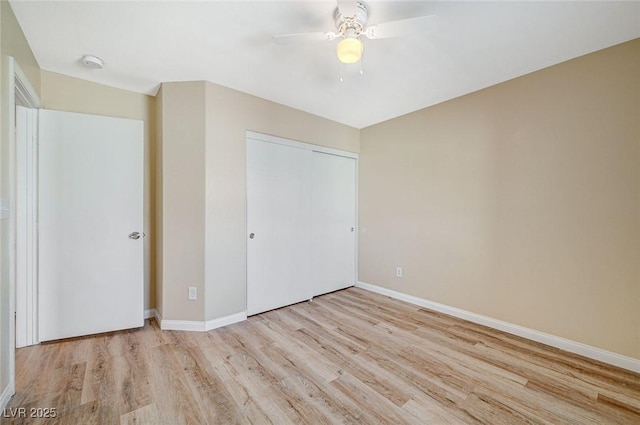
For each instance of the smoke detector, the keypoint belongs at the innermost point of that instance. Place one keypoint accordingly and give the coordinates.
(91, 61)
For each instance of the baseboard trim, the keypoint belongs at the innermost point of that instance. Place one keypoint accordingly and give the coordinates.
(8, 392)
(149, 313)
(575, 347)
(226, 320)
(182, 325)
(200, 326)
(158, 317)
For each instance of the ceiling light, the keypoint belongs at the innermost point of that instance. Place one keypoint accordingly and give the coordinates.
(349, 50)
(91, 61)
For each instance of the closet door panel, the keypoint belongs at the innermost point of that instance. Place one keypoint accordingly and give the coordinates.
(278, 230)
(333, 222)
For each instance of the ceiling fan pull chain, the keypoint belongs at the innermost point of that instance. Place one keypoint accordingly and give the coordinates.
(341, 72)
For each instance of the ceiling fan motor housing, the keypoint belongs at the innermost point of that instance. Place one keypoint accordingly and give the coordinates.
(357, 22)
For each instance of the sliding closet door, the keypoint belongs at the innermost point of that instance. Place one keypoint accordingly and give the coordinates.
(278, 231)
(333, 224)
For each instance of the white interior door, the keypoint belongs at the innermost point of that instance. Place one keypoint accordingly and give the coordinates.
(90, 205)
(278, 211)
(333, 222)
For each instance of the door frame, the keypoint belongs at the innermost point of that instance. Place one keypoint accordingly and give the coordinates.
(26, 221)
(302, 145)
(253, 135)
(20, 91)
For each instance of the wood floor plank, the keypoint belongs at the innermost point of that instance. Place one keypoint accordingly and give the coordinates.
(96, 412)
(469, 370)
(491, 412)
(131, 377)
(249, 409)
(298, 381)
(318, 392)
(349, 357)
(379, 409)
(537, 404)
(206, 387)
(99, 381)
(301, 353)
(301, 376)
(172, 396)
(146, 415)
(430, 411)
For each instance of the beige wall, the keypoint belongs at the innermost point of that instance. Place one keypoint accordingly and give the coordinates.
(183, 199)
(15, 44)
(520, 202)
(12, 43)
(229, 114)
(64, 93)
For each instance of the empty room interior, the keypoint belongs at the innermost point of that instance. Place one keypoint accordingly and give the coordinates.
(364, 212)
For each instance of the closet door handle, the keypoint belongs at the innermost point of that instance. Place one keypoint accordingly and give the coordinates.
(252, 235)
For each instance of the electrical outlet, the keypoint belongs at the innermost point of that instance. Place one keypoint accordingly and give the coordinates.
(398, 271)
(193, 293)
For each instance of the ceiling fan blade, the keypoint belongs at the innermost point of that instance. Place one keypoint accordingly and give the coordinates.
(304, 37)
(402, 27)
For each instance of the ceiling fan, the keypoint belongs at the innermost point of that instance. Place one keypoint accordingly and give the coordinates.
(351, 18)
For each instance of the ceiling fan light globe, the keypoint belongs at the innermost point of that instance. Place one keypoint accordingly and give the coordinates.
(349, 50)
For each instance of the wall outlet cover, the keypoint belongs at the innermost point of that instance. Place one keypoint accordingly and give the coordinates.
(193, 293)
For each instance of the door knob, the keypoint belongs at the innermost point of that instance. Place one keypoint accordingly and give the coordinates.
(134, 235)
(252, 235)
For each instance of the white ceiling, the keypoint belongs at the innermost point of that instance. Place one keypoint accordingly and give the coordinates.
(474, 45)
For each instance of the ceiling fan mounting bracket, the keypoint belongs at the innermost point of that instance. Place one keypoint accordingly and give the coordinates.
(352, 25)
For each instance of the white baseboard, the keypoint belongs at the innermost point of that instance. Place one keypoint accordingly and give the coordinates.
(200, 326)
(8, 392)
(585, 350)
(182, 325)
(149, 313)
(225, 321)
(157, 316)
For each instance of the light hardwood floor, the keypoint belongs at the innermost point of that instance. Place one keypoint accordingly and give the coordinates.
(347, 357)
